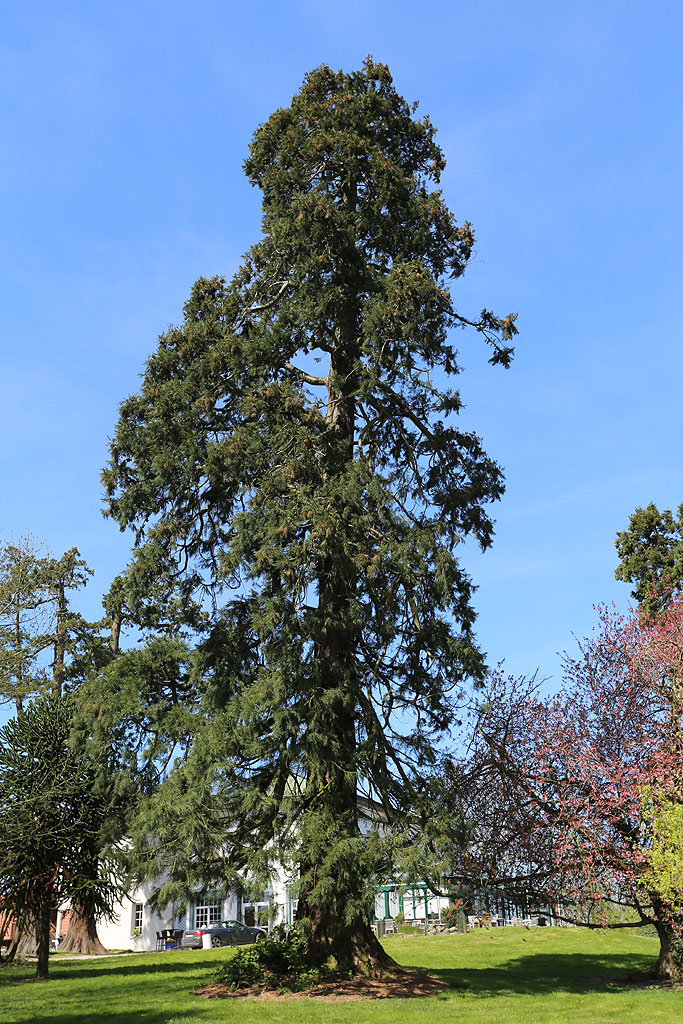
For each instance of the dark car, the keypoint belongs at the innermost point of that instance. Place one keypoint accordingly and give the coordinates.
(227, 933)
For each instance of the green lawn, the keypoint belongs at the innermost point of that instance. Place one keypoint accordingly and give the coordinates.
(537, 976)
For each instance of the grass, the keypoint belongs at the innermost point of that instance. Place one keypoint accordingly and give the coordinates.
(539, 976)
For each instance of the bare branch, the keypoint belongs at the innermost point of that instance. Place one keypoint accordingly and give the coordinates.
(308, 378)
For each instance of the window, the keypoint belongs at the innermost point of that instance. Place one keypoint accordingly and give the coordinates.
(137, 918)
(207, 913)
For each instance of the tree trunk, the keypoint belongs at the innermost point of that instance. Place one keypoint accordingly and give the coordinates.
(353, 947)
(82, 934)
(60, 641)
(669, 966)
(26, 938)
(337, 926)
(43, 942)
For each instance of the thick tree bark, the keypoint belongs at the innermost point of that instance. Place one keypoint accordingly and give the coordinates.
(353, 947)
(82, 934)
(26, 938)
(669, 965)
(339, 928)
(115, 632)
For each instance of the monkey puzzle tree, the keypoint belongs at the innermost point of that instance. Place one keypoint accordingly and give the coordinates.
(305, 522)
(51, 816)
(47, 647)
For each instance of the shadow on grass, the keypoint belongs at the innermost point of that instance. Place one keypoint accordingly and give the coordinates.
(188, 973)
(542, 973)
(128, 968)
(538, 974)
(140, 1017)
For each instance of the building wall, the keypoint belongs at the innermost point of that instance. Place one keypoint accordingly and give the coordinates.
(118, 933)
(278, 904)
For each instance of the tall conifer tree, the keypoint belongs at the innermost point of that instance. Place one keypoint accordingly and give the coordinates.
(651, 553)
(298, 487)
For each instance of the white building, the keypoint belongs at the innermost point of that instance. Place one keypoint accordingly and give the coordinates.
(136, 926)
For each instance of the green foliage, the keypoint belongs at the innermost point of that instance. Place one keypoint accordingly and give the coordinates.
(39, 634)
(50, 818)
(664, 875)
(452, 916)
(651, 553)
(47, 648)
(276, 963)
(300, 531)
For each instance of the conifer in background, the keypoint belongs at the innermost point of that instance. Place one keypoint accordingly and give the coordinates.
(49, 649)
(298, 487)
(651, 553)
(39, 632)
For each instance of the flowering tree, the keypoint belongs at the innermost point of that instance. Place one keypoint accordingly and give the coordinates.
(590, 782)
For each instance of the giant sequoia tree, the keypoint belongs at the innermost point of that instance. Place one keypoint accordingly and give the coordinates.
(297, 486)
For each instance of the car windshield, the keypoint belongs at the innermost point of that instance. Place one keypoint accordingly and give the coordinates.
(230, 924)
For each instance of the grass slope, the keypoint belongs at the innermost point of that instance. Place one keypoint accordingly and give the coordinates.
(539, 976)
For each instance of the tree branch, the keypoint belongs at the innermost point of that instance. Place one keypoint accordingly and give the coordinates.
(308, 378)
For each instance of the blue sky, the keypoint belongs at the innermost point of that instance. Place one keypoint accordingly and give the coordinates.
(124, 128)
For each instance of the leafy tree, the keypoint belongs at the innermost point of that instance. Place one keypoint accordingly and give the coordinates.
(38, 631)
(651, 553)
(592, 782)
(301, 521)
(50, 814)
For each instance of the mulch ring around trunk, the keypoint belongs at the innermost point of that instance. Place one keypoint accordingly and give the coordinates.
(407, 985)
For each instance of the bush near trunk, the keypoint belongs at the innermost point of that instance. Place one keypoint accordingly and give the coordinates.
(276, 963)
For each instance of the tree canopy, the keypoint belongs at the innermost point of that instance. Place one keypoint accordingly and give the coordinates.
(48, 648)
(651, 553)
(39, 632)
(297, 485)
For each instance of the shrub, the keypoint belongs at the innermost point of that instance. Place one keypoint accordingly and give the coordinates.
(451, 916)
(277, 963)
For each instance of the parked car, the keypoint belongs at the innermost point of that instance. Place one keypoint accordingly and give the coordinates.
(227, 933)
